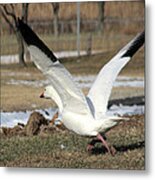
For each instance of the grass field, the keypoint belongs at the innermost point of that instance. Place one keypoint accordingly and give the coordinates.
(63, 149)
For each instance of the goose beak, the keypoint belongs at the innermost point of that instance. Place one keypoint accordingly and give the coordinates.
(42, 95)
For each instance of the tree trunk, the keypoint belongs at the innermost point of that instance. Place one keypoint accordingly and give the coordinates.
(9, 11)
(89, 45)
(25, 12)
(20, 49)
(101, 16)
(56, 18)
(55, 21)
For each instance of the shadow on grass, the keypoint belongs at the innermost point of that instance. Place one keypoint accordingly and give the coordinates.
(123, 148)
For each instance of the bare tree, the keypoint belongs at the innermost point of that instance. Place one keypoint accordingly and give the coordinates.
(101, 6)
(25, 12)
(8, 12)
(56, 7)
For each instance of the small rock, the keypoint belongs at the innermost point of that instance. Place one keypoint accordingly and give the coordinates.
(62, 146)
(21, 124)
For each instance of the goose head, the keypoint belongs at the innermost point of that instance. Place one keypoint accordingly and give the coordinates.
(51, 93)
(47, 93)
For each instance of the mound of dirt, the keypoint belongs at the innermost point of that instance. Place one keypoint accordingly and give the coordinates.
(9, 132)
(36, 120)
(37, 124)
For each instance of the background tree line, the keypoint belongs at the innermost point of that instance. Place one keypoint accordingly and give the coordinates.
(10, 14)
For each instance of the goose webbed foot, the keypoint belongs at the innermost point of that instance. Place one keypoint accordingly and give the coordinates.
(111, 150)
(102, 139)
(91, 144)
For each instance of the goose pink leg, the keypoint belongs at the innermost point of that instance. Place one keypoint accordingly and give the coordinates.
(111, 149)
(100, 138)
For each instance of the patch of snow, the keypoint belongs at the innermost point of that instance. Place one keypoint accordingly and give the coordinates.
(121, 81)
(36, 83)
(15, 74)
(84, 81)
(129, 83)
(126, 110)
(7, 59)
(10, 119)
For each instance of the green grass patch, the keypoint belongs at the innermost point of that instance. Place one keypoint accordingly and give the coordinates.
(47, 151)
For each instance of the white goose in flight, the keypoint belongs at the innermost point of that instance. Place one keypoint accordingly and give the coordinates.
(85, 116)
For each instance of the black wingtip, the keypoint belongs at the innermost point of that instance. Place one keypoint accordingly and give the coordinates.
(19, 20)
(32, 39)
(27, 33)
(135, 45)
(20, 23)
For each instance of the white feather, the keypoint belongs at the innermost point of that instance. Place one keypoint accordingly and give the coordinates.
(79, 113)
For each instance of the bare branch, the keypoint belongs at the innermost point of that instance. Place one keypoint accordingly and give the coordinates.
(13, 9)
(25, 12)
(56, 7)
(9, 13)
(7, 20)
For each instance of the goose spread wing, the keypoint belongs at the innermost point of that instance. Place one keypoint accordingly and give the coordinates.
(71, 96)
(100, 91)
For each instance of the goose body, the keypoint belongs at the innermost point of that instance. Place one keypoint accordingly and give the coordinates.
(85, 116)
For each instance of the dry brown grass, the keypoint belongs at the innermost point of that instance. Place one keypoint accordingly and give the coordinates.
(42, 11)
(124, 10)
(68, 10)
(20, 97)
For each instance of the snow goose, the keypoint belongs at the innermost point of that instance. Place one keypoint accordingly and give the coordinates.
(85, 116)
